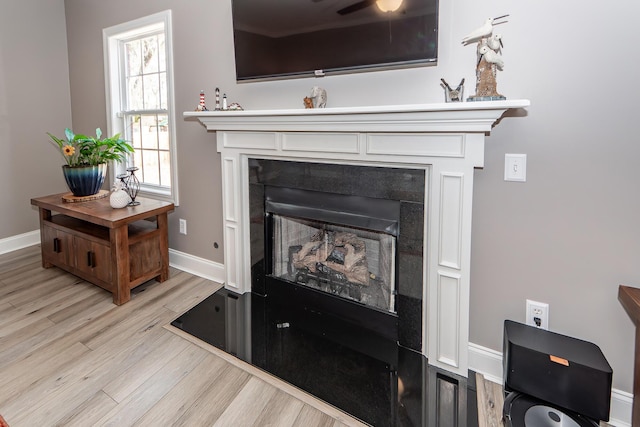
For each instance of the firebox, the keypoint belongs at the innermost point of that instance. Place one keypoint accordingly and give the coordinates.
(344, 242)
(339, 244)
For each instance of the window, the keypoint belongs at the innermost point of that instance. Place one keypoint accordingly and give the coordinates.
(139, 85)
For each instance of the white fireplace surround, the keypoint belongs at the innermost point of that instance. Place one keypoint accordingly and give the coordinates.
(446, 140)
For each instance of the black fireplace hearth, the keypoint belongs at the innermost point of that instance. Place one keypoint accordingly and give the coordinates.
(355, 369)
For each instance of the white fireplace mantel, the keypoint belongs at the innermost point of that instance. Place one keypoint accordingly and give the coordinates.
(446, 140)
(444, 117)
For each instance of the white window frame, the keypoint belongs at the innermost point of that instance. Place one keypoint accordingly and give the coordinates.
(112, 37)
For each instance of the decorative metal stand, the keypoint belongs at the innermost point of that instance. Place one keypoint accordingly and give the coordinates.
(122, 177)
(130, 184)
(133, 185)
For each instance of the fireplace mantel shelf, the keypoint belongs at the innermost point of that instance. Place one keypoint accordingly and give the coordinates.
(442, 117)
(444, 140)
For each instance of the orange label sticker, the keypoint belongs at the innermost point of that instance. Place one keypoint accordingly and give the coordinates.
(559, 360)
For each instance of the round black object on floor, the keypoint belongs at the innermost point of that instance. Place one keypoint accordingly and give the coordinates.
(521, 410)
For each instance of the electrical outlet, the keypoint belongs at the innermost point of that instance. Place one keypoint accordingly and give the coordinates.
(183, 226)
(537, 314)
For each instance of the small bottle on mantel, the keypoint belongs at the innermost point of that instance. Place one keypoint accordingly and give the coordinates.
(224, 101)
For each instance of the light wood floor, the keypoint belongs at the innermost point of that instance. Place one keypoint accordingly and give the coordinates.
(69, 357)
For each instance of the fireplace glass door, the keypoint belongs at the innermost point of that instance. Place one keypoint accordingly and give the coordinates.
(348, 262)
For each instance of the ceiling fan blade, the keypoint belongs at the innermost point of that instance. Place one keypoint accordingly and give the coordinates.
(356, 7)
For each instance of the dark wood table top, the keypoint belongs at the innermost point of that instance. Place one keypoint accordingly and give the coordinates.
(100, 211)
(630, 299)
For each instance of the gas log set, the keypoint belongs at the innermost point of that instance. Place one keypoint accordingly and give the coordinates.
(336, 262)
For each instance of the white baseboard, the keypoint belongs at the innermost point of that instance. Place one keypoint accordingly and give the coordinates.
(183, 261)
(20, 241)
(196, 265)
(488, 362)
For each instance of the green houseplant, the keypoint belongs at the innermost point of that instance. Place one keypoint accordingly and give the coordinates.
(86, 159)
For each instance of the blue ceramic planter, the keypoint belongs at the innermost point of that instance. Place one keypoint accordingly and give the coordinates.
(84, 180)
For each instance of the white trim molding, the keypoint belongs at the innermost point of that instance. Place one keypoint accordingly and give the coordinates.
(201, 267)
(445, 140)
(13, 243)
(195, 265)
(115, 93)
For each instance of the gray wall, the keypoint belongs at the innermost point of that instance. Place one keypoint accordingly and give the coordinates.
(34, 99)
(568, 236)
(197, 58)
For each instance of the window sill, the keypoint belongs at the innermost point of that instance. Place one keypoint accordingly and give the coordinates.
(166, 196)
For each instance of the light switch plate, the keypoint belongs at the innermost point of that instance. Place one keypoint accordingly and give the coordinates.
(515, 167)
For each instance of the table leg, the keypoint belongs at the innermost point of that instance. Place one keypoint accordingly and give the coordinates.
(120, 269)
(164, 246)
(45, 215)
(630, 299)
(635, 417)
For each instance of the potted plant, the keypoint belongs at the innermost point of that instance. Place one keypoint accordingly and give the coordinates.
(87, 158)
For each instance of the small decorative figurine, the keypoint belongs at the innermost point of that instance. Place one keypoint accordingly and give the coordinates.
(489, 60)
(217, 99)
(483, 31)
(201, 106)
(119, 197)
(224, 101)
(453, 95)
(495, 42)
(234, 106)
(491, 56)
(308, 102)
(319, 97)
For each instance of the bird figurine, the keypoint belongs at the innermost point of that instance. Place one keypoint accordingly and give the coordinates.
(483, 31)
(495, 42)
(490, 56)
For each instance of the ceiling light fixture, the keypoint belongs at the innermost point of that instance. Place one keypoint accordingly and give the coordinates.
(388, 5)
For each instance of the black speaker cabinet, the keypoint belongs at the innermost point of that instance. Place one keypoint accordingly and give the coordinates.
(568, 372)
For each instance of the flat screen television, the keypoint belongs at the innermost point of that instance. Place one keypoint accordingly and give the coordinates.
(305, 38)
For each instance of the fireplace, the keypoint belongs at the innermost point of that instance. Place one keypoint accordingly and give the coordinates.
(344, 240)
(444, 143)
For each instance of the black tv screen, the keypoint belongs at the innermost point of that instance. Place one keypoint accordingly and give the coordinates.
(304, 38)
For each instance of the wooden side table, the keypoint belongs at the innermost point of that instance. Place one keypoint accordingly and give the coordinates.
(116, 249)
(630, 299)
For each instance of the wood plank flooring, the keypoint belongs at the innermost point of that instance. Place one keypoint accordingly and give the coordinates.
(69, 357)
(490, 412)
